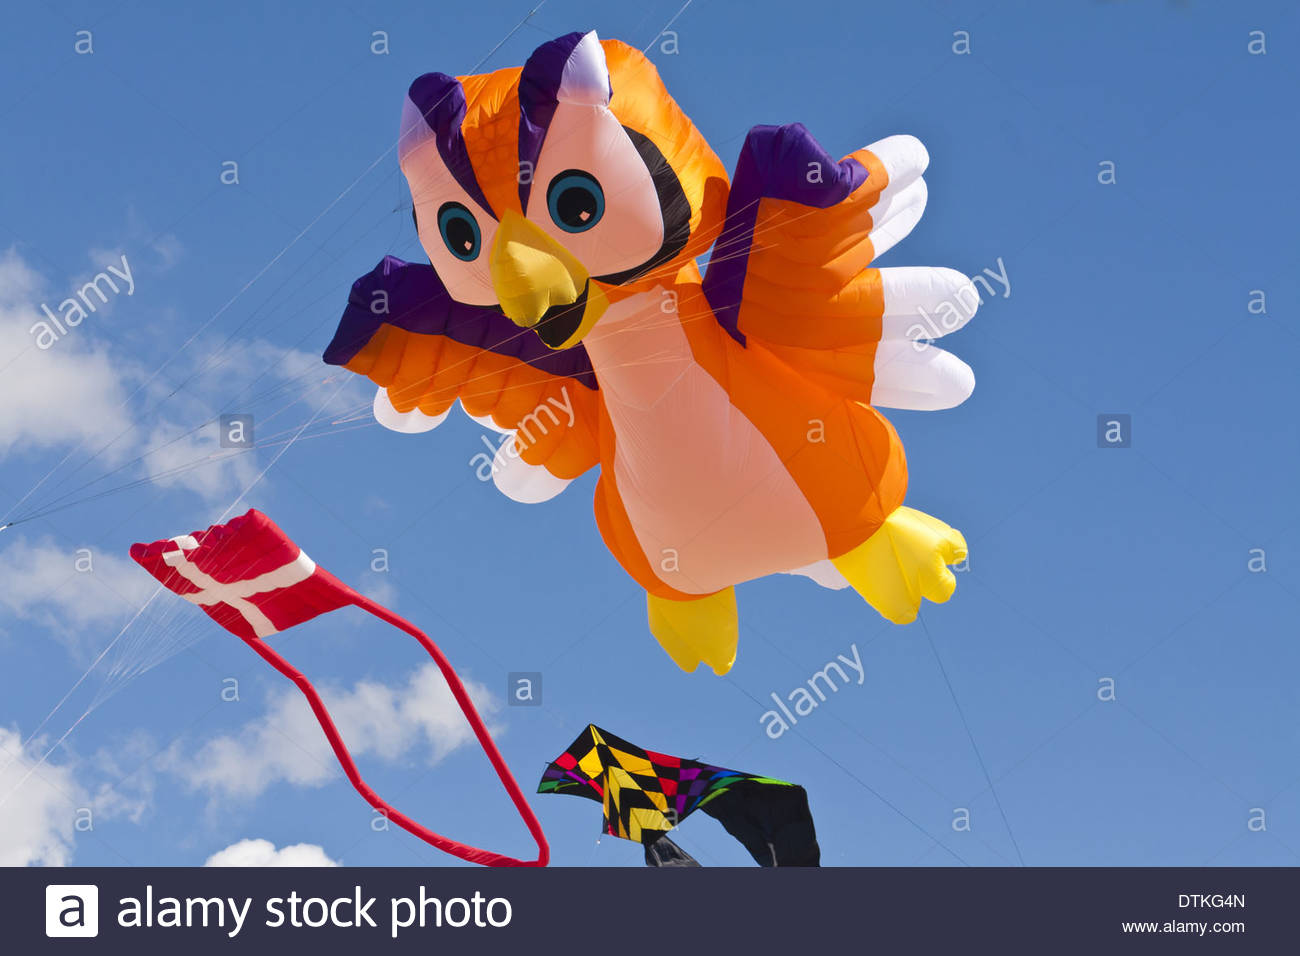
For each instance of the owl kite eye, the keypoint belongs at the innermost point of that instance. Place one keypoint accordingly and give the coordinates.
(575, 200)
(459, 231)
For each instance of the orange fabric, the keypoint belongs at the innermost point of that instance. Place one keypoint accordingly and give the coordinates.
(823, 248)
(845, 457)
(491, 131)
(430, 372)
(641, 103)
(809, 293)
(815, 319)
(812, 314)
(616, 531)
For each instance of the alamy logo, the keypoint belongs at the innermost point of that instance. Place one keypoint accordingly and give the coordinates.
(71, 910)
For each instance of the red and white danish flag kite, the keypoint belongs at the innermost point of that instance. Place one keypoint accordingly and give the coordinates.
(250, 578)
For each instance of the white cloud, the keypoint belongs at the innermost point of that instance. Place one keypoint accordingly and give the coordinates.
(380, 589)
(374, 504)
(194, 460)
(151, 252)
(68, 393)
(286, 744)
(264, 853)
(44, 804)
(169, 251)
(280, 388)
(19, 283)
(84, 396)
(38, 815)
(42, 584)
(125, 777)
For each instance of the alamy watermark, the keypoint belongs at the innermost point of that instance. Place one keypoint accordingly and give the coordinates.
(75, 309)
(956, 310)
(800, 702)
(531, 427)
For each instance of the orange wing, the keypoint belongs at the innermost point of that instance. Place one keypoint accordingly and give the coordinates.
(792, 269)
(403, 332)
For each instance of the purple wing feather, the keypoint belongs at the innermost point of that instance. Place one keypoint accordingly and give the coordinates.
(414, 299)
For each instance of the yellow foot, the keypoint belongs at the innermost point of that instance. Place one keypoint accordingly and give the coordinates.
(703, 630)
(904, 561)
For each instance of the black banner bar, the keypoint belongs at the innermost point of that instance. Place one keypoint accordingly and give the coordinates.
(630, 911)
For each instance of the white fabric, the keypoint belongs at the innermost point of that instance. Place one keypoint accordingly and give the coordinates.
(902, 201)
(896, 215)
(923, 302)
(408, 423)
(585, 79)
(824, 573)
(522, 482)
(920, 377)
(486, 421)
(904, 158)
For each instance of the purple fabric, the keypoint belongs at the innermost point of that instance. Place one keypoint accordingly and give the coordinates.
(539, 87)
(441, 101)
(774, 164)
(418, 302)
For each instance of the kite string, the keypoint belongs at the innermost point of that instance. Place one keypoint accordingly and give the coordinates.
(22, 748)
(44, 757)
(247, 285)
(60, 503)
(47, 509)
(971, 736)
(266, 268)
(249, 487)
(35, 767)
(280, 454)
(264, 471)
(661, 32)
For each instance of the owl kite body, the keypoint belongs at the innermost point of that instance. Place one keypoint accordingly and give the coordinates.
(563, 208)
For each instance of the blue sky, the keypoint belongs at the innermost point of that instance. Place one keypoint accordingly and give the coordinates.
(1087, 564)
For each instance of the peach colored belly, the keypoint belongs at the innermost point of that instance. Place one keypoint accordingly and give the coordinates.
(710, 502)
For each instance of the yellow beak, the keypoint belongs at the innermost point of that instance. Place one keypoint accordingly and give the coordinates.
(540, 285)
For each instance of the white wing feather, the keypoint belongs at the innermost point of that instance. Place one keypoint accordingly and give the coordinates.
(921, 303)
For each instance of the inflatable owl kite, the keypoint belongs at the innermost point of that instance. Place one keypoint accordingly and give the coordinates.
(732, 414)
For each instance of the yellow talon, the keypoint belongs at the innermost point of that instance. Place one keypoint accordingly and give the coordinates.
(703, 630)
(905, 560)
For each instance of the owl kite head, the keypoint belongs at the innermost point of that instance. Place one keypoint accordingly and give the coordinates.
(550, 190)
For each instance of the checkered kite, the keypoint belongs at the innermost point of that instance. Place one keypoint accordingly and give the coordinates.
(255, 582)
(645, 794)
